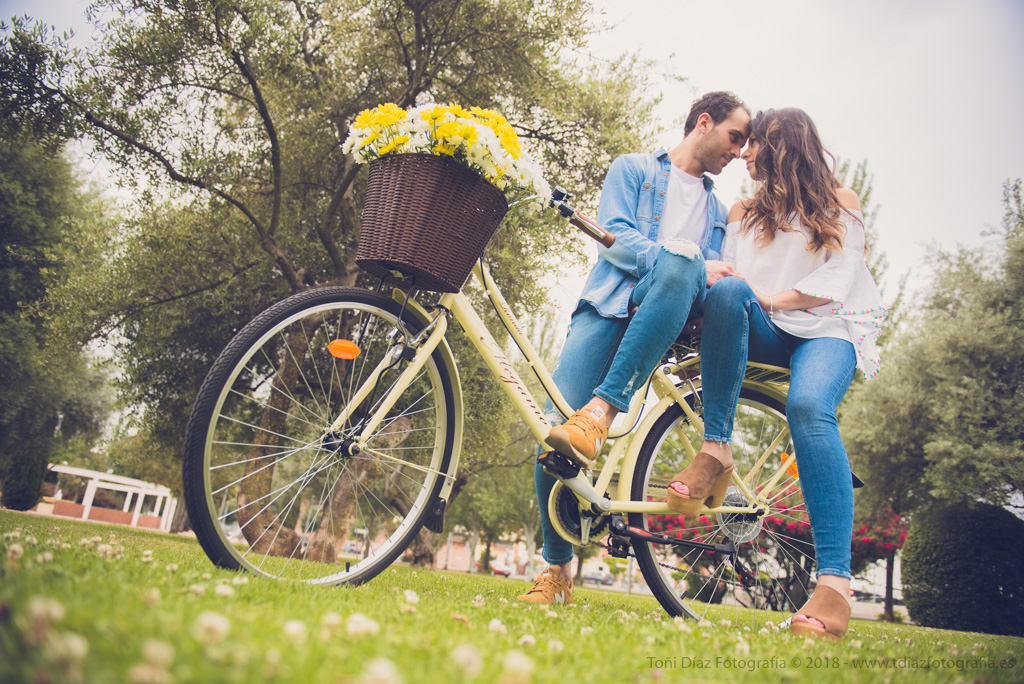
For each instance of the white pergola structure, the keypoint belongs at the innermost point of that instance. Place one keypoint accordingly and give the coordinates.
(135, 491)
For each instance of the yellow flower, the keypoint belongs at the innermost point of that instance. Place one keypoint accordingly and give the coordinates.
(393, 146)
(364, 119)
(435, 114)
(388, 114)
(457, 110)
(456, 132)
(488, 116)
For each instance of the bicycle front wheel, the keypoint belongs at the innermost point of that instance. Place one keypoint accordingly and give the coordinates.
(270, 488)
(771, 569)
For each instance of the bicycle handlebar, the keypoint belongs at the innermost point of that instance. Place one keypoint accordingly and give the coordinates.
(588, 226)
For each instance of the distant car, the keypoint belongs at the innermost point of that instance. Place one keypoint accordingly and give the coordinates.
(599, 578)
(499, 571)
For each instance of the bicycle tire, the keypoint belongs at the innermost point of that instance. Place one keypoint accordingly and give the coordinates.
(256, 459)
(770, 571)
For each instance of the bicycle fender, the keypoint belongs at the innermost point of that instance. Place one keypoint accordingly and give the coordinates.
(423, 316)
(633, 450)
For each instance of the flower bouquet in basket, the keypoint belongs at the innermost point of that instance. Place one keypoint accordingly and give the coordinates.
(440, 181)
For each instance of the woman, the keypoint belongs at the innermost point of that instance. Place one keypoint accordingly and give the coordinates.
(805, 300)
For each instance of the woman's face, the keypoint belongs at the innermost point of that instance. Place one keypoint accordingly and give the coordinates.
(749, 155)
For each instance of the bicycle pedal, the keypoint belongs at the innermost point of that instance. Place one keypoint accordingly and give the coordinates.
(558, 465)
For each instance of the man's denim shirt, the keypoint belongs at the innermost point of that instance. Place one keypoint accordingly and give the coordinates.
(632, 200)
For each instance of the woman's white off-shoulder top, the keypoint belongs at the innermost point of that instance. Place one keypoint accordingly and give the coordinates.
(855, 312)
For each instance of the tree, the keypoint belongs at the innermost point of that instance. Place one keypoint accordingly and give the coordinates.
(51, 401)
(226, 120)
(942, 422)
(880, 537)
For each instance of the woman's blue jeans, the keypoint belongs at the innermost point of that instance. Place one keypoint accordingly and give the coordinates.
(736, 329)
(612, 357)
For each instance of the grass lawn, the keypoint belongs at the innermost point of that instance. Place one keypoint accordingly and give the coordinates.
(98, 603)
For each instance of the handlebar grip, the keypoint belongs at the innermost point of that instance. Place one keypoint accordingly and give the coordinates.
(592, 229)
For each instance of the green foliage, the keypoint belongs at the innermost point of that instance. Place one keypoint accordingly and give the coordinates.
(49, 397)
(963, 568)
(227, 122)
(942, 420)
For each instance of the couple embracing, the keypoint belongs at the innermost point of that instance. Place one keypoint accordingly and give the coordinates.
(780, 278)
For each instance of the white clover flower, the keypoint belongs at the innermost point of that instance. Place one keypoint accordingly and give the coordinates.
(331, 622)
(171, 567)
(556, 646)
(518, 666)
(147, 556)
(295, 632)
(586, 631)
(44, 557)
(211, 628)
(151, 596)
(358, 624)
(551, 614)
(15, 551)
(742, 648)
(527, 640)
(468, 659)
(206, 575)
(13, 535)
(224, 590)
(157, 652)
(495, 625)
(31, 541)
(239, 580)
(41, 613)
(411, 597)
(478, 602)
(381, 671)
(197, 589)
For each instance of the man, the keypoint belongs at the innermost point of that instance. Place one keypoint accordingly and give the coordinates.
(668, 228)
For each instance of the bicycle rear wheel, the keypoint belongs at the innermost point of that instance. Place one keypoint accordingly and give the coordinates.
(771, 570)
(270, 489)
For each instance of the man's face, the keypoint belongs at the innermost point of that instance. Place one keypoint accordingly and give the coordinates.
(720, 143)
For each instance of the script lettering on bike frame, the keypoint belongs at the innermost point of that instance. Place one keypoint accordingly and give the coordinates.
(508, 375)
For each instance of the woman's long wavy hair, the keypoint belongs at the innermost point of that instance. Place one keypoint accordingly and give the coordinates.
(794, 178)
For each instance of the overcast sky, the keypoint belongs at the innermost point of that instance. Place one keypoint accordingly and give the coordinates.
(930, 93)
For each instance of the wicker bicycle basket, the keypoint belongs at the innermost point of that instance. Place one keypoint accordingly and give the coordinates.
(426, 216)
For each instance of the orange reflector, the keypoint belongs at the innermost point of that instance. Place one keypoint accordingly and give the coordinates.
(343, 349)
(791, 470)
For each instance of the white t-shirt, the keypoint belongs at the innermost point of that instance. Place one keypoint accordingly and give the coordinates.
(855, 312)
(686, 208)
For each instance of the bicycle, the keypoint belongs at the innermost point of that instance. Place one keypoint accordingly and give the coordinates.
(328, 433)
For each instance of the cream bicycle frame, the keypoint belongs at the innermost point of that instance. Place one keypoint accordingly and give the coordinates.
(624, 451)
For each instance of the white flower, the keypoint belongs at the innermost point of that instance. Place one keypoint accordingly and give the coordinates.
(586, 631)
(224, 590)
(551, 614)
(527, 640)
(478, 601)
(411, 597)
(31, 541)
(331, 621)
(206, 575)
(211, 628)
(556, 646)
(518, 666)
(147, 556)
(151, 596)
(360, 624)
(157, 652)
(495, 625)
(197, 589)
(381, 671)
(742, 648)
(239, 580)
(15, 551)
(468, 659)
(41, 613)
(295, 631)
(146, 673)
(171, 567)
(13, 535)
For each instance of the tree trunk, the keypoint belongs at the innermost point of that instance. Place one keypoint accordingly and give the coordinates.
(424, 549)
(474, 539)
(890, 562)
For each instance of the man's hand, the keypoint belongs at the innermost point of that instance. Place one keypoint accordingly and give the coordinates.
(718, 270)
